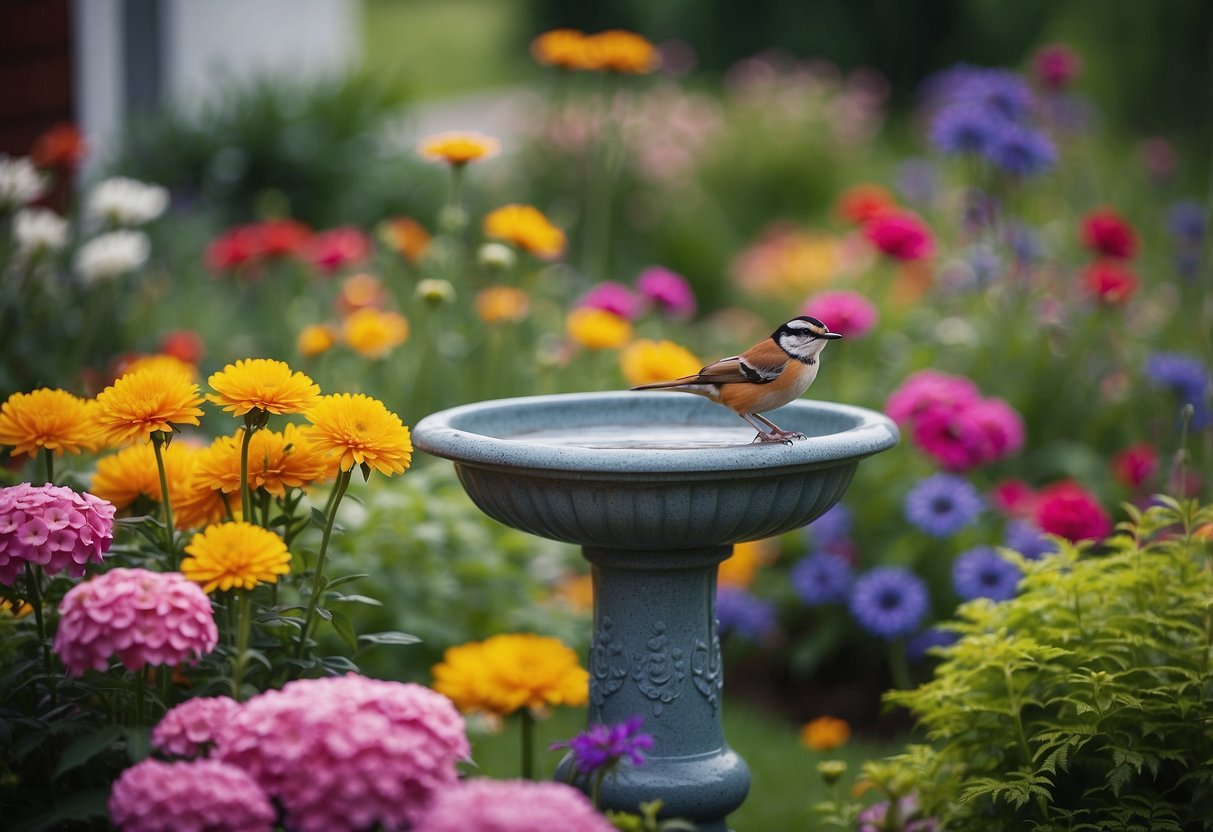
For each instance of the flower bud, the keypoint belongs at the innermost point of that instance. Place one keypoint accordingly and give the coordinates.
(831, 771)
(452, 219)
(496, 257)
(435, 291)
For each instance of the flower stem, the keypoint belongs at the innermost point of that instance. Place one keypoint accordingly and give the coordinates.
(243, 626)
(527, 730)
(246, 498)
(158, 441)
(49, 457)
(33, 575)
(596, 788)
(343, 482)
(899, 666)
(140, 689)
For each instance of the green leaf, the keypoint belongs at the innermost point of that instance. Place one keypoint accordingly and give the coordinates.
(138, 742)
(79, 806)
(319, 520)
(323, 613)
(345, 629)
(345, 579)
(357, 599)
(87, 747)
(389, 637)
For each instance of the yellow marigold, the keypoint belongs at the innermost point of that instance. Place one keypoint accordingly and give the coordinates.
(502, 304)
(123, 477)
(506, 673)
(644, 361)
(262, 384)
(825, 733)
(526, 227)
(739, 569)
(171, 362)
(51, 419)
(235, 555)
(616, 50)
(360, 430)
(276, 461)
(597, 329)
(140, 403)
(565, 48)
(406, 237)
(316, 339)
(375, 333)
(459, 148)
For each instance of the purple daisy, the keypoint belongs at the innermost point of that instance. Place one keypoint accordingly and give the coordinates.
(1187, 378)
(1020, 151)
(943, 504)
(1025, 537)
(822, 578)
(962, 128)
(889, 601)
(604, 747)
(737, 611)
(983, 573)
(833, 527)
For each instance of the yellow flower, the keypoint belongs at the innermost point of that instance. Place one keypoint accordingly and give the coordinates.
(406, 237)
(359, 291)
(508, 672)
(565, 48)
(597, 329)
(316, 339)
(235, 555)
(140, 403)
(457, 148)
(616, 50)
(51, 419)
(739, 569)
(262, 384)
(15, 609)
(789, 262)
(276, 462)
(526, 227)
(360, 430)
(646, 361)
(171, 362)
(825, 733)
(577, 592)
(502, 304)
(374, 333)
(125, 476)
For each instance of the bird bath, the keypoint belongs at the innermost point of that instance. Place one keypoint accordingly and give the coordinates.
(655, 488)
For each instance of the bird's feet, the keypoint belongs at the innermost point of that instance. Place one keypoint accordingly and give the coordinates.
(778, 435)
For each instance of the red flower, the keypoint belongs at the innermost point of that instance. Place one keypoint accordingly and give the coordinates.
(1014, 498)
(865, 202)
(1055, 66)
(62, 146)
(282, 238)
(1109, 281)
(1135, 465)
(901, 235)
(233, 249)
(330, 250)
(183, 344)
(1107, 233)
(1068, 510)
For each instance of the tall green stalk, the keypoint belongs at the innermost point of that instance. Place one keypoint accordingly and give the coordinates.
(160, 440)
(343, 483)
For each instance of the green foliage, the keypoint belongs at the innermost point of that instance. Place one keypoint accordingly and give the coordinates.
(1085, 702)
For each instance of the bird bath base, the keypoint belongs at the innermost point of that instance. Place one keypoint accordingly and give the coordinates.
(655, 488)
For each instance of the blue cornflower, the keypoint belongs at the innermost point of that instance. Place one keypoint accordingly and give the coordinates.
(942, 504)
(737, 611)
(1187, 378)
(822, 578)
(963, 128)
(1024, 537)
(1186, 221)
(1000, 92)
(604, 747)
(1020, 151)
(831, 528)
(983, 573)
(889, 601)
(918, 644)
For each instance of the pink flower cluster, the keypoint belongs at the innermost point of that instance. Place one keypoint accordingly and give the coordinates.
(54, 527)
(188, 730)
(348, 752)
(153, 796)
(900, 234)
(656, 288)
(141, 617)
(512, 806)
(848, 313)
(950, 421)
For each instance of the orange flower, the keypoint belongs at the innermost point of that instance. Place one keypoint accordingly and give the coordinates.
(277, 461)
(235, 556)
(508, 672)
(406, 237)
(565, 48)
(360, 430)
(61, 146)
(123, 477)
(457, 149)
(169, 362)
(597, 329)
(616, 50)
(526, 227)
(146, 401)
(262, 384)
(359, 291)
(863, 202)
(315, 339)
(374, 333)
(54, 420)
(645, 361)
(739, 569)
(825, 733)
(502, 304)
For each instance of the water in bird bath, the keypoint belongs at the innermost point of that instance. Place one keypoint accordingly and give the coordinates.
(646, 437)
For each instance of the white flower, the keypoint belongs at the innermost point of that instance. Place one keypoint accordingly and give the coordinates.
(20, 182)
(110, 255)
(127, 202)
(36, 230)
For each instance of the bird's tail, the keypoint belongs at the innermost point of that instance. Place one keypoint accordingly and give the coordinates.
(667, 385)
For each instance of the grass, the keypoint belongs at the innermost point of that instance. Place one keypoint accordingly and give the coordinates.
(785, 785)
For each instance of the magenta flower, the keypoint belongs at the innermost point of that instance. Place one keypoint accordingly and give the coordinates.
(349, 752)
(153, 796)
(140, 617)
(54, 527)
(613, 297)
(901, 235)
(332, 250)
(188, 730)
(848, 313)
(926, 389)
(1068, 510)
(1055, 66)
(603, 747)
(667, 290)
(512, 806)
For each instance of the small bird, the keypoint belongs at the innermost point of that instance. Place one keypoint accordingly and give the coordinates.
(768, 375)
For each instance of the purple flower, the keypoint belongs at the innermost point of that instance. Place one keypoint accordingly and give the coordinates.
(153, 796)
(737, 611)
(943, 504)
(962, 128)
(1186, 221)
(613, 297)
(1020, 151)
(603, 747)
(917, 180)
(875, 817)
(999, 92)
(889, 601)
(668, 290)
(822, 578)
(831, 528)
(983, 573)
(1025, 537)
(1187, 378)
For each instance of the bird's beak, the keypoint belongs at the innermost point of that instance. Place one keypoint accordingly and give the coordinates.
(831, 336)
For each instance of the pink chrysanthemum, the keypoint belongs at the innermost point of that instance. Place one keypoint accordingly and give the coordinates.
(512, 806)
(154, 796)
(849, 314)
(901, 235)
(926, 389)
(54, 527)
(348, 752)
(188, 730)
(613, 297)
(140, 617)
(668, 290)
(1068, 510)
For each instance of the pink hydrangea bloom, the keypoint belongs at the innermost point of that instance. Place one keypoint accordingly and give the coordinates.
(188, 730)
(926, 389)
(154, 796)
(54, 527)
(348, 752)
(1068, 510)
(669, 291)
(849, 314)
(901, 235)
(613, 297)
(140, 617)
(512, 806)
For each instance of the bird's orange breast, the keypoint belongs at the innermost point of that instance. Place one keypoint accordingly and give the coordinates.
(757, 398)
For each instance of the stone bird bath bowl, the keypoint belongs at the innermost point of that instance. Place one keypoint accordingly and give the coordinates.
(655, 488)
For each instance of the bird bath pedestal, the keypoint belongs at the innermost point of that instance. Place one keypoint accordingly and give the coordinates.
(656, 488)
